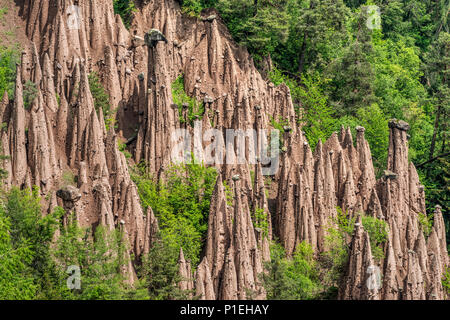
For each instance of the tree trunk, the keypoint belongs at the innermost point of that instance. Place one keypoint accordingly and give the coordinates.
(301, 62)
(436, 128)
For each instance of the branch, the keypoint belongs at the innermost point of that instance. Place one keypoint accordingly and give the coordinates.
(433, 159)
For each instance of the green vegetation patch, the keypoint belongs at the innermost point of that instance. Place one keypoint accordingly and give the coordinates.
(261, 221)
(426, 222)
(101, 99)
(30, 93)
(125, 9)
(9, 57)
(295, 278)
(195, 108)
(181, 203)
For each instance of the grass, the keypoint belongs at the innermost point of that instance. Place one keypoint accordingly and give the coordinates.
(3, 11)
(67, 179)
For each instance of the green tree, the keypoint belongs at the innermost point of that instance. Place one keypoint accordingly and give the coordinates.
(374, 121)
(260, 25)
(159, 273)
(181, 203)
(101, 258)
(437, 173)
(125, 9)
(16, 279)
(352, 74)
(9, 57)
(316, 115)
(438, 75)
(101, 99)
(317, 33)
(293, 278)
(181, 99)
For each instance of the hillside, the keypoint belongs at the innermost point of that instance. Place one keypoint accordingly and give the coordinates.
(102, 106)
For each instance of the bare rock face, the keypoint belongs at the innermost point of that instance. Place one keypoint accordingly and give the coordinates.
(17, 136)
(185, 272)
(69, 195)
(154, 36)
(204, 287)
(137, 68)
(219, 233)
(412, 265)
(361, 269)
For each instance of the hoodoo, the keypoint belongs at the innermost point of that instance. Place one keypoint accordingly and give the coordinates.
(61, 131)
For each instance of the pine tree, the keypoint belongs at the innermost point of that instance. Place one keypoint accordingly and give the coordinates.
(352, 74)
(438, 75)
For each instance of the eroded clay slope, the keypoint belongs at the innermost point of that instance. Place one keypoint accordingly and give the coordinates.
(62, 132)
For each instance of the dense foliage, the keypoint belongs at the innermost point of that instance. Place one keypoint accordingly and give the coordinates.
(125, 9)
(181, 203)
(195, 109)
(9, 56)
(34, 265)
(295, 278)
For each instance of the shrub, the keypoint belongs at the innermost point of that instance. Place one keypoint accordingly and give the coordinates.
(125, 9)
(123, 149)
(228, 193)
(334, 260)
(279, 125)
(194, 7)
(101, 99)
(9, 56)
(376, 228)
(261, 221)
(180, 97)
(30, 93)
(426, 222)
